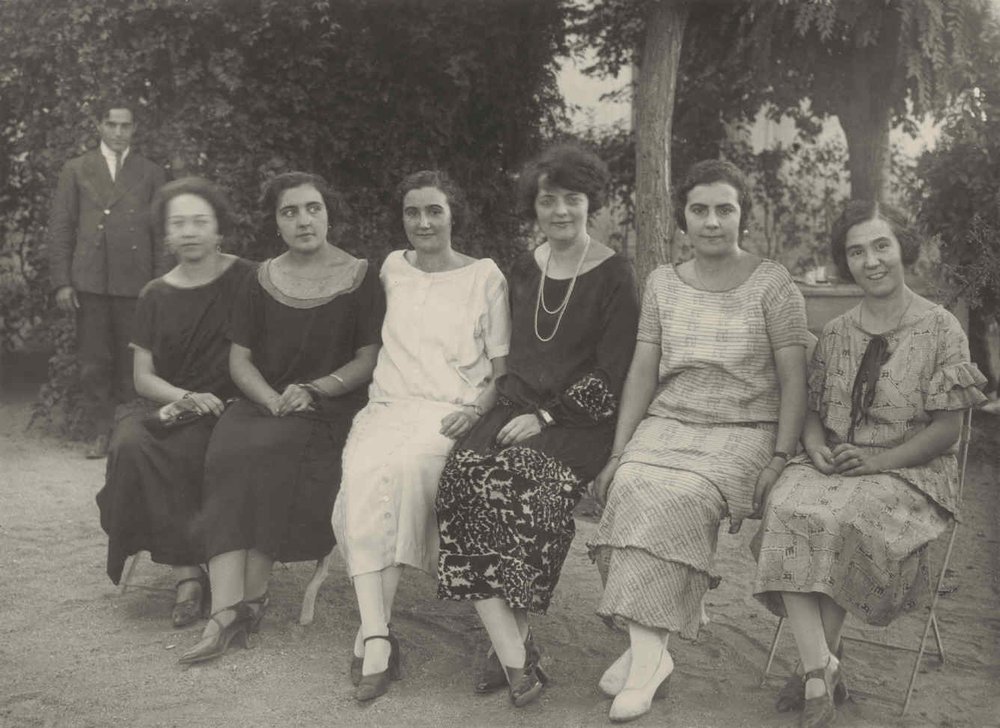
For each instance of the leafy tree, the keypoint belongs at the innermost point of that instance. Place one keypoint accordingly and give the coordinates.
(873, 65)
(959, 196)
(361, 91)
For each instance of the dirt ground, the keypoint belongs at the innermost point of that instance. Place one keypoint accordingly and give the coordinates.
(76, 653)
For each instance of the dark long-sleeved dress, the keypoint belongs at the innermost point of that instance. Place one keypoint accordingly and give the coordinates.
(153, 485)
(506, 515)
(270, 482)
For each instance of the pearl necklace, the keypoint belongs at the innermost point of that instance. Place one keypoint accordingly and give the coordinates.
(561, 308)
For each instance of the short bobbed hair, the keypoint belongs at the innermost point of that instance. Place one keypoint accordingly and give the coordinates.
(569, 166)
(859, 211)
(440, 181)
(336, 208)
(199, 187)
(709, 172)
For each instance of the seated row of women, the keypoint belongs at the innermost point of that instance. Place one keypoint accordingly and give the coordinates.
(493, 403)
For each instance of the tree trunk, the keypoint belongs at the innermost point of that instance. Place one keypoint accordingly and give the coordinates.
(654, 110)
(865, 112)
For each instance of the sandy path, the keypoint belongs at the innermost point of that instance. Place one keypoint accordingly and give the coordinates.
(75, 653)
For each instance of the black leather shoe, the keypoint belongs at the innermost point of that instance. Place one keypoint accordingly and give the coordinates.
(215, 646)
(190, 610)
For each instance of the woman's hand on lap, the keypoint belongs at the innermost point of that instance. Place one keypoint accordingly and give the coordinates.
(822, 459)
(851, 460)
(457, 423)
(293, 399)
(205, 403)
(765, 482)
(601, 485)
(518, 430)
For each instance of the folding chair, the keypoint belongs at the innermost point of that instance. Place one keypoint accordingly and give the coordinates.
(126, 581)
(931, 621)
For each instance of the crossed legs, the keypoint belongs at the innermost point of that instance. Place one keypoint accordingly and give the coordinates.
(236, 576)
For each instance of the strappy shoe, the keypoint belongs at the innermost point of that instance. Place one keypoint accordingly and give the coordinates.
(820, 711)
(257, 608)
(357, 664)
(525, 683)
(632, 703)
(216, 645)
(792, 694)
(372, 686)
(190, 610)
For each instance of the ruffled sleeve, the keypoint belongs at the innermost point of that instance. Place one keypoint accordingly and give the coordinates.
(956, 381)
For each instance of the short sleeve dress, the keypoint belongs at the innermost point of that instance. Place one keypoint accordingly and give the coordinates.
(270, 482)
(696, 455)
(440, 332)
(862, 540)
(153, 484)
(506, 514)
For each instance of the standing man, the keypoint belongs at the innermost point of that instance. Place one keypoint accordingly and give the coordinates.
(101, 253)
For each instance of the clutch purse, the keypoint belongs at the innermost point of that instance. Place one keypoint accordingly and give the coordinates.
(170, 417)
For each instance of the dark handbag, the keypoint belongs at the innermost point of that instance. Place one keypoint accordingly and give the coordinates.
(170, 417)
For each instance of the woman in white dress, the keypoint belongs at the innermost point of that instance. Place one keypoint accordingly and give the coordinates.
(444, 343)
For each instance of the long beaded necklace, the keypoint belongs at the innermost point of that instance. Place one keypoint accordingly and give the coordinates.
(561, 308)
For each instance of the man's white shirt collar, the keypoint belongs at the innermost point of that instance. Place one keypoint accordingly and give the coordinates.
(109, 157)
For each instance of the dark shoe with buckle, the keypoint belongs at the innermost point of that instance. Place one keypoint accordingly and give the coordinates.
(97, 448)
(216, 645)
(257, 608)
(525, 683)
(819, 712)
(190, 610)
(372, 686)
(489, 675)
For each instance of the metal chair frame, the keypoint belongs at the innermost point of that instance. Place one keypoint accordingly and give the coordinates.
(931, 621)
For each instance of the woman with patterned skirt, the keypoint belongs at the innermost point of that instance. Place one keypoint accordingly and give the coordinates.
(712, 406)
(444, 343)
(153, 487)
(506, 497)
(305, 335)
(846, 527)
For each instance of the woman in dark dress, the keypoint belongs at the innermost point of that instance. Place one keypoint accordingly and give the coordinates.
(305, 335)
(154, 476)
(506, 497)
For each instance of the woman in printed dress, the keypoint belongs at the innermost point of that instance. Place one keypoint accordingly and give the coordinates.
(444, 343)
(305, 336)
(153, 486)
(506, 497)
(713, 405)
(846, 527)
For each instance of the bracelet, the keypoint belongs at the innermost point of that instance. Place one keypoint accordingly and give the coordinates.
(541, 421)
(544, 417)
(477, 408)
(339, 379)
(188, 395)
(780, 454)
(615, 456)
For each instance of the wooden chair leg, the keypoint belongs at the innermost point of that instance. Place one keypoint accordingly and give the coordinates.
(309, 598)
(773, 650)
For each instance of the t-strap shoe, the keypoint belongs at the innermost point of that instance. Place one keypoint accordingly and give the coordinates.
(372, 686)
(216, 645)
(189, 610)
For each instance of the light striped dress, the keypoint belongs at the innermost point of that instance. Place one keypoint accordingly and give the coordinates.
(707, 434)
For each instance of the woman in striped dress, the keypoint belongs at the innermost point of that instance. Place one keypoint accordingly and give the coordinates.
(713, 403)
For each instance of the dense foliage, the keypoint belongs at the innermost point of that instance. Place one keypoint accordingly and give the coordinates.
(361, 91)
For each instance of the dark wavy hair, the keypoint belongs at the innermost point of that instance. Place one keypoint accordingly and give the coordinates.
(103, 106)
(569, 166)
(859, 211)
(336, 208)
(708, 172)
(439, 180)
(199, 187)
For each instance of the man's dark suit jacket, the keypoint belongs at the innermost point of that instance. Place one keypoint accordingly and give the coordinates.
(100, 238)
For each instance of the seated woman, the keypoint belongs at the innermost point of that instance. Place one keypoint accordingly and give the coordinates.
(153, 486)
(846, 526)
(444, 343)
(305, 335)
(712, 406)
(506, 498)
